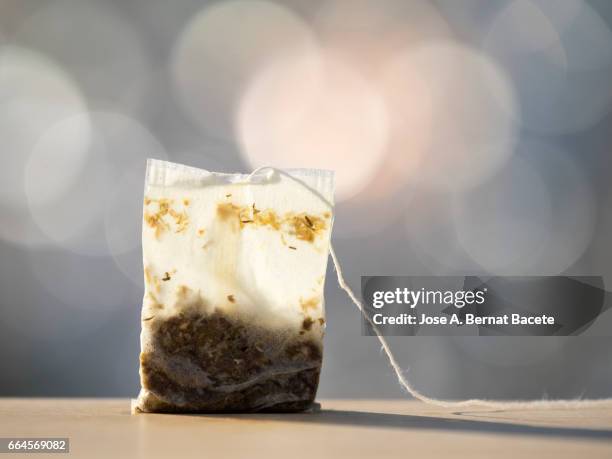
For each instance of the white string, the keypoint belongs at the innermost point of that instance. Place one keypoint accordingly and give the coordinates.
(259, 169)
(576, 403)
(403, 381)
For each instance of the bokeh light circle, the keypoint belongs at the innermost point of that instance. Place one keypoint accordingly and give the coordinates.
(411, 107)
(506, 221)
(80, 282)
(57, 159)
(35, 93)
(433, 237)
(473, 134)
(78, 220)
(100, 46)
(315, 112)
(366, 34)
(560, 63)
(222, 47)
(536, 217)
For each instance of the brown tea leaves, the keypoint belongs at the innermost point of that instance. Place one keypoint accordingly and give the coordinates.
(167, 215)
(160, 215)
(310, 303)
(228, 211)
(308, 322)
(267, 218)
(189, 299)
(181, 220)
(153, 281)
(305, 227)
(242, 367)
(154, 303)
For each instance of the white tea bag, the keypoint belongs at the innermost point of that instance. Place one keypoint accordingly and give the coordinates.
(233, 314)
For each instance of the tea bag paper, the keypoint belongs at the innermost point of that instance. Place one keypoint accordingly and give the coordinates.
(233, 310)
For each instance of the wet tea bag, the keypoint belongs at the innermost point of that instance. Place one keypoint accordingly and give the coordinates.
(233, 313)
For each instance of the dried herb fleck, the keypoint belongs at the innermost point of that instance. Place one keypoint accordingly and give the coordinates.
(301, 226)
(307, 323)
(158, 220)
(311, 303)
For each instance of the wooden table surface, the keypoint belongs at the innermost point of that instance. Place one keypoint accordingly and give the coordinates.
(343, 428)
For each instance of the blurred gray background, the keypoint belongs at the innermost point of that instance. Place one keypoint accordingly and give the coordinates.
(468, 137)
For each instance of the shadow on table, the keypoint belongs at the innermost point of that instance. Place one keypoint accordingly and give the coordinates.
(413, 422)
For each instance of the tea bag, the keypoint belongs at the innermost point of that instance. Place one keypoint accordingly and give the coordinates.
(233, 314)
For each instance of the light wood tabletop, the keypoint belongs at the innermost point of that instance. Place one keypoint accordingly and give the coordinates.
(342, 428)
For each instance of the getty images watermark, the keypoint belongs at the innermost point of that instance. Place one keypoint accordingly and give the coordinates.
(477, 306)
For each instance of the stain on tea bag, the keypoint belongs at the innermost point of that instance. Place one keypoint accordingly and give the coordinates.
(233, 310)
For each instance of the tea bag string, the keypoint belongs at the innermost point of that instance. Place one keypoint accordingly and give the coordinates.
(403, 381)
